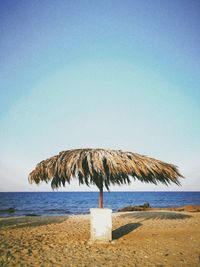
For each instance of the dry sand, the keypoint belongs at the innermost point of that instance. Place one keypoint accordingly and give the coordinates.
(150, 238)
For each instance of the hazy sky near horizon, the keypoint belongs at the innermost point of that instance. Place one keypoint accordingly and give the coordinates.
(111, 74)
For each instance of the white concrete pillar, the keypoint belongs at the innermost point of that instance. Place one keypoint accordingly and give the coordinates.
(101, 225)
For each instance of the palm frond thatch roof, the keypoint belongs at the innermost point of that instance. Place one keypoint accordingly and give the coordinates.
(102, 168)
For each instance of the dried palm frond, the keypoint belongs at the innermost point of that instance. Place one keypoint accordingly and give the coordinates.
(103, 167)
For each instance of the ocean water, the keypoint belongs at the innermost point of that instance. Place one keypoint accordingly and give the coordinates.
(63, 203)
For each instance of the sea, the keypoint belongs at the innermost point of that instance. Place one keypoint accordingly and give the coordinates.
(68, 203)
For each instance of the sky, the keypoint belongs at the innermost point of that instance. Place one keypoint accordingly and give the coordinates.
(109, 74)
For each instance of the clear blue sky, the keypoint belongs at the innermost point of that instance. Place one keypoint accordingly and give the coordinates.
(112, 74)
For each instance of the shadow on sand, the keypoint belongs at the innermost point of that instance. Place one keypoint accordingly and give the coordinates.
(157, 215)
(124, 230)
(21, 222)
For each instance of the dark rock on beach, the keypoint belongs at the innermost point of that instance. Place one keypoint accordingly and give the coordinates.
(143, 207)
(9, 210)
(146, 207)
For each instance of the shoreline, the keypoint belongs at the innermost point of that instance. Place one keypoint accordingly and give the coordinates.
(187, 208)
(49, 219)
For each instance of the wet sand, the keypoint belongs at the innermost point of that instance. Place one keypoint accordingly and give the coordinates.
(147, 238)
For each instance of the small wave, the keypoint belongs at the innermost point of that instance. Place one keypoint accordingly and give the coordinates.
(31, 214)
(57, 210)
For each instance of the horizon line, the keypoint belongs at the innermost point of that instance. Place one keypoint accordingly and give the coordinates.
(107, 191)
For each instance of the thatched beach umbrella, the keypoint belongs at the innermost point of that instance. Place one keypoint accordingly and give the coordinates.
(103, 167)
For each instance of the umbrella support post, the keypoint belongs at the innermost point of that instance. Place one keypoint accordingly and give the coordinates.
(101, 225)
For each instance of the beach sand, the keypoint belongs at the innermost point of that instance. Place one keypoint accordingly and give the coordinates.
(149, 238)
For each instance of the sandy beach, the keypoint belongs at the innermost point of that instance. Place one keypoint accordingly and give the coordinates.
(149, 238)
